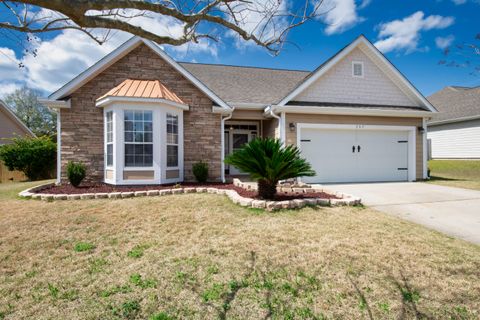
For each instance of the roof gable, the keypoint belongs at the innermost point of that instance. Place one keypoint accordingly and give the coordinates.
(119, 53)
(456, 104)
(377, 58)
(8, 114)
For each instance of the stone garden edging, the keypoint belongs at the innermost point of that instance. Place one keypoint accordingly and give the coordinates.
(346, 199)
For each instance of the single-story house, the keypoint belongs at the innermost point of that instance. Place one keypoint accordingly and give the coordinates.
(139, 117)
(10, 127)
(455, 132)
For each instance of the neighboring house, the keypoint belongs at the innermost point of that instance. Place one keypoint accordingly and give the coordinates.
(10, 127)
(139, 117)
(455, 132)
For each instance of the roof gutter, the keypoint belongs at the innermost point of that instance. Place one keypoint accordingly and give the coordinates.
(55, 104)
(350, 111)
(440, 122)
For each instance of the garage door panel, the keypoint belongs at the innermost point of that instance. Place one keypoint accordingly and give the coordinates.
(330, 154)
(380, 155)
(383, 155)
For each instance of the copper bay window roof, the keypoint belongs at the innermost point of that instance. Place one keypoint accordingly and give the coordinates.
(146, 89)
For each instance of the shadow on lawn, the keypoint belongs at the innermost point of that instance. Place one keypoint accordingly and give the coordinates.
(435, 178)
(408, 295)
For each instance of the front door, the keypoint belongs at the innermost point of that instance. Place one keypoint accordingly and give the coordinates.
(235, 137)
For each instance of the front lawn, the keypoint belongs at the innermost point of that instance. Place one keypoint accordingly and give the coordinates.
(198, 256)
(456, 173)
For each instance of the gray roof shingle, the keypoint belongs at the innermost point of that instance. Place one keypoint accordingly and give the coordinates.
(252, 84)
(456, 102)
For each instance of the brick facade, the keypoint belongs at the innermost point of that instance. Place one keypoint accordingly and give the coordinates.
(82, 125)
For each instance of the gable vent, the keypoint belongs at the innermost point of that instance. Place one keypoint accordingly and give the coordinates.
(357, 69)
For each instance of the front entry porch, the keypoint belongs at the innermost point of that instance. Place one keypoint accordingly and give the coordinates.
(238, 133)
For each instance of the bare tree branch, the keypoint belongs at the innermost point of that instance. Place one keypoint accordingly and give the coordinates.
(264, 22)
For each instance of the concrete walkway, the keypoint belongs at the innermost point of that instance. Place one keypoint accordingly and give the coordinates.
(453, 211)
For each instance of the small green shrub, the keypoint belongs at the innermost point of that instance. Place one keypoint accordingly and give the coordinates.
(161, 316)
(137, 251)
(83, 246)
(76, 172)
(35, 157)
(200, 171)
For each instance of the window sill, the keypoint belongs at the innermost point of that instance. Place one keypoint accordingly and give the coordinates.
(138, 168)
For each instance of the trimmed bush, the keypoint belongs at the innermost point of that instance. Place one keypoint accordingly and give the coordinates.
(269, 161)
(35, 157)
(76, 172)
(200, 171)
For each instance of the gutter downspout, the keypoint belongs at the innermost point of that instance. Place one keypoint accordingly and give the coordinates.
(59, 147)
(222, 142)
(281, 122)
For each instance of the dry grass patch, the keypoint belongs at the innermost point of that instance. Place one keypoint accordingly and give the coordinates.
(455, 173)
(198, 256)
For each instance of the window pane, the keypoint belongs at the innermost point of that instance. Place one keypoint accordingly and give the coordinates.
(109, 154)
(148, 137)
(138, 126)
(147, 116)
(138, 137)
(148, 149)
(130, 149)
(147, 126)
(128, 136)
(138, 115)
(148, 161)
(172, 156)
(129, 161)
(128, 125)
(129, 115)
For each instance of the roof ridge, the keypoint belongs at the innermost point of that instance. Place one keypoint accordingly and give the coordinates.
(239, 66)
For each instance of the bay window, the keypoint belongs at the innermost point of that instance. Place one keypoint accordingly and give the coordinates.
(143, 143)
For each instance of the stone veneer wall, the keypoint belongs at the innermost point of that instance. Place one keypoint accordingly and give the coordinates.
(82, 125)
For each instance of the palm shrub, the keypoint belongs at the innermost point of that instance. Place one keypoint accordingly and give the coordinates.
(76, 172)
(267, 161)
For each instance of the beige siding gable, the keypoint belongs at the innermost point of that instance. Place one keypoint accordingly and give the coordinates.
(339, 86)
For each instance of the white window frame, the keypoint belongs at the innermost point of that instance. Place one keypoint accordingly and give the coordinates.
(353, 69)
(170, 143)
(131, 168)
(107, 166)
(159, 111)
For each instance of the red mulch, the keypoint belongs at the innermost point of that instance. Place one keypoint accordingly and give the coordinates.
(106, 188)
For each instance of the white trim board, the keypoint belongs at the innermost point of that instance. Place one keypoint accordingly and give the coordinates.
(342, 54)
(109, 100)
(122, 51)
(412, 170)
(349, 111)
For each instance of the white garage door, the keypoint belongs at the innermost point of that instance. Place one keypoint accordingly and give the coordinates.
(355, 155)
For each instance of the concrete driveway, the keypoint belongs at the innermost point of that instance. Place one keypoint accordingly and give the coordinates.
(453, 211)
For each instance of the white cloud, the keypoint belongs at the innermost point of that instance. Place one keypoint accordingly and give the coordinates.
(7, 88)
(444, 42)
(341, 15)
(61, 58)
(405, 34)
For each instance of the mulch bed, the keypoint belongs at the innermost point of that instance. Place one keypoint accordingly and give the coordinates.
(106, 188)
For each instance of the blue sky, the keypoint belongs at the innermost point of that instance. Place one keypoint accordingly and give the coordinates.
(411, 33)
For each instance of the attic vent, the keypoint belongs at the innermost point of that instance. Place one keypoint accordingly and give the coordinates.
(357, 69)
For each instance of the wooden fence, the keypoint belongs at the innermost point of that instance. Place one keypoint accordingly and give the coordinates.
(7, 175)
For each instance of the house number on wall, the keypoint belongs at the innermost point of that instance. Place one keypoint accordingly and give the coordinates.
(360, 126)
